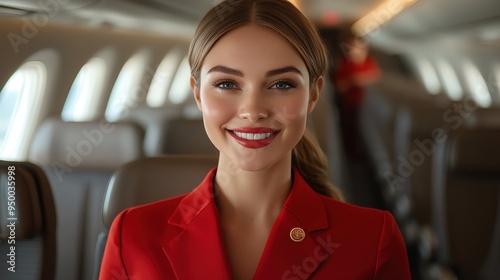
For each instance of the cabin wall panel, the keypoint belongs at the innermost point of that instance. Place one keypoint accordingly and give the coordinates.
(75, 46)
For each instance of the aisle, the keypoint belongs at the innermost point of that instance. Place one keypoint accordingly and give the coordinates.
(361, 188)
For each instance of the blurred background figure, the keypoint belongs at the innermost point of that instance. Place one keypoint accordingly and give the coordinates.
(356, 69)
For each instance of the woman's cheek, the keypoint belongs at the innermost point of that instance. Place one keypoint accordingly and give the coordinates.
(216, 108)
(290, 110)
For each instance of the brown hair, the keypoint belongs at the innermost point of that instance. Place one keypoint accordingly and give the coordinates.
(282, 17)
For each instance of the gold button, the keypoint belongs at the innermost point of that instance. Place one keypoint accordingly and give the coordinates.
(297, 234)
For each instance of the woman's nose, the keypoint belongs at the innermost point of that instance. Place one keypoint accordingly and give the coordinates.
(253, 107)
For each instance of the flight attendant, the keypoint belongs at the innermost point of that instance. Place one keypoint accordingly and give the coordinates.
(268, 211)
(357, 69)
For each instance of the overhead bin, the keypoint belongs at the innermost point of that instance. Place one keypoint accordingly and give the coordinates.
(44, 5)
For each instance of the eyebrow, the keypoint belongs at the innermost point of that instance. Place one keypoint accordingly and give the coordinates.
(236, 72)
(227, 70)
(282, 71)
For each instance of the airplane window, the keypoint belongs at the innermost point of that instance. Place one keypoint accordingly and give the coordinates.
(495, 80)
(157, 95)
(127, 87)
(20, 102)
(449, 80)
(180, 88)
(81, 104)
(477, 85)
(429, 76)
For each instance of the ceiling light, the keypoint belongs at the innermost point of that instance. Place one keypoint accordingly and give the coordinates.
(380, 15)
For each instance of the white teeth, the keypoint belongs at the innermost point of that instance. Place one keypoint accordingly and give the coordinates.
(252, 136)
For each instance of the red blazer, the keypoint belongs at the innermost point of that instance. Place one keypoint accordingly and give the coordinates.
(347, 71)
(180, 238)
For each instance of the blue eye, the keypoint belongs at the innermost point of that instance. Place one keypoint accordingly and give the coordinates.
(225, 85)
(283, 85)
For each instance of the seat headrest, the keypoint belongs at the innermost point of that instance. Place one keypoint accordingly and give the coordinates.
(21, 197)
(188, 136)
(484, 117)
(476, 151)
(151, 179)
(28, 223)
(145, 115)
(86, 145)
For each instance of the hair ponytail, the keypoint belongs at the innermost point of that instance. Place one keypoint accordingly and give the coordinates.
(310, 161)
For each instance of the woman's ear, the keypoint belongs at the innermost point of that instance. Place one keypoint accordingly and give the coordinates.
(196, 91)
(314, 93)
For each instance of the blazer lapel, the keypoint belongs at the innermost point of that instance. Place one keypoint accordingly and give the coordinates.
(286, 256)
(198, 251)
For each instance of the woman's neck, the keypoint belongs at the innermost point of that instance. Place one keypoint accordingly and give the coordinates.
(252, 197)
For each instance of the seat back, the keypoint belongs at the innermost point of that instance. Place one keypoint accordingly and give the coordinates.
(155, 122)
(28, 223)
(466, 201)
(79, 159)
(172, 131)
(147, 180)
(150, 179)
(188, 137)
(324, 123)
(413, 147)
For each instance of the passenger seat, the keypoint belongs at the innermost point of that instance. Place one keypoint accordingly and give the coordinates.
(187, 137)
(155, 123)
(151, 179)
(170, 131)
(31, 224)
(79, 159)
(466, 202)
(324, 123)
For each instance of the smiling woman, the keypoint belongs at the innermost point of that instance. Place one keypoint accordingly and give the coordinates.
(263, 79)
(268, 210)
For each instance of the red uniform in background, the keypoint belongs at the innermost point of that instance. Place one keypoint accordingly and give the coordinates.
(355, 71)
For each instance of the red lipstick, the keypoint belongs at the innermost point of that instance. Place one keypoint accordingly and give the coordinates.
(254, 137)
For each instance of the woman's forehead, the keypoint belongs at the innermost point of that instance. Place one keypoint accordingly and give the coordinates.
(253, 46)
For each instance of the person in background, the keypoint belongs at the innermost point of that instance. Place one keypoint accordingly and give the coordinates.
(356, 70)
(268, 211)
